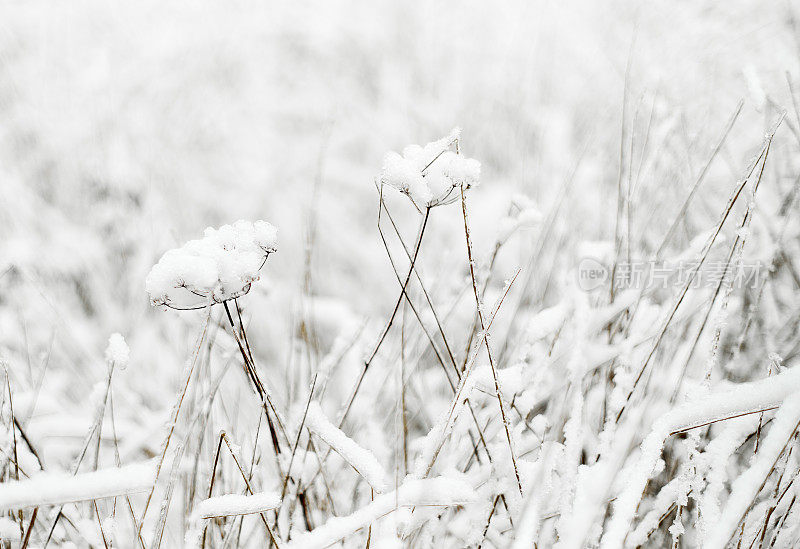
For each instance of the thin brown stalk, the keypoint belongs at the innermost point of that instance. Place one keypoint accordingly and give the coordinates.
(30, 528)
(479, 305)
(388, 325)
(272, 537)
(173, 420)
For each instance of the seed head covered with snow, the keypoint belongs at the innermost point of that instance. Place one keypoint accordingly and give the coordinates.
(430, 174)
(118, 351)
(220, 266)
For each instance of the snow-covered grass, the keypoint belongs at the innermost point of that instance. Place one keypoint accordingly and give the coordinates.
(570, 321)
(52, 489)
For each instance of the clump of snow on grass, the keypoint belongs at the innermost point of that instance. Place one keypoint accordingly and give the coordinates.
(59, 488)
(440, 492)
(228, 505)
(400, 173)
(546, 322)
(220, 266)
(599, 250)
(361, 459)
(118, 351)
(429, 174)
(236, 504)
(746, 487)
(744, 397)
(9, 530)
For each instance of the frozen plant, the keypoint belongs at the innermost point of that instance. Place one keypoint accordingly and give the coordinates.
(430, 174)
(117, 351)
(216, 268)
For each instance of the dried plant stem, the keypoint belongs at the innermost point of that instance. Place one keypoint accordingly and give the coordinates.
(388, 325)
(224, 436)
(173, 419)
(252, 373)
(484, 329)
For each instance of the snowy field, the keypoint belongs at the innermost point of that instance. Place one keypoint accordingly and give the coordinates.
(567, 317)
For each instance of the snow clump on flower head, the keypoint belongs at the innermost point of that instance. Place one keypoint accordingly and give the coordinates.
(430, 174)
(220, 266)
(118, 351)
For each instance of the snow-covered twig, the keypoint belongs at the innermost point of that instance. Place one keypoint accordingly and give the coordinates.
(360, 459)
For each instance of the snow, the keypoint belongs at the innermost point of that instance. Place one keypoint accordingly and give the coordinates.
(745, 488)
(220, 266)
(546, 322)
(361, 459)
(56, 488)
(743, 398)
(714, 462)
(429, 174)
(236, 504)
(432, 443)
(400, 173)
(530, 511)
(224, 506)
(525, 216)
(437, 492)
(666, 497)
(117, 351)
(9, 530)
(599, 250)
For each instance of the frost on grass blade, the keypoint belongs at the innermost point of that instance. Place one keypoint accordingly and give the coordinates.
(430, 174)
(218, 267)
(360, 459)
(437, 492)
(56, 489)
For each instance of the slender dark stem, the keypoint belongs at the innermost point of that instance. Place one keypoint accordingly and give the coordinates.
(388, 325)
(479, 307)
